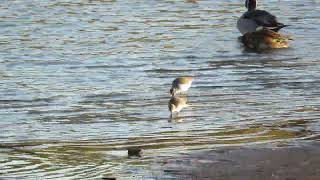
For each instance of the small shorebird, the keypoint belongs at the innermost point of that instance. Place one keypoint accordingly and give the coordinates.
(255, 19)
(181, 84)
(176, 104)
(265, 39)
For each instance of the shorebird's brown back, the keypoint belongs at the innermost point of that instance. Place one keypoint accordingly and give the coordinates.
(184, 80)
(175, 102)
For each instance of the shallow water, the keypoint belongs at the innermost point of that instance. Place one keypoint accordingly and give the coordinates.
(83, 81)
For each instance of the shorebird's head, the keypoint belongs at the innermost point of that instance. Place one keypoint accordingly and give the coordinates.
(251, 4)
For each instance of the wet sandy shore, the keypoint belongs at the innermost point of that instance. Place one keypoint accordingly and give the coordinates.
(298, 162)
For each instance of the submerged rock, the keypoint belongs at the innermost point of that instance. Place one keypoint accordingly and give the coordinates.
(109, 178)
(134, 152)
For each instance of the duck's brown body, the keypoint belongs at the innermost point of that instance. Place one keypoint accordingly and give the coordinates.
(265, 39)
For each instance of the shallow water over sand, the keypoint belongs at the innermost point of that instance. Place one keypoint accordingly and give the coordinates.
(83, 81)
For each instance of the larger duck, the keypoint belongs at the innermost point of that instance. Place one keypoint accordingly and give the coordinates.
(254, 19)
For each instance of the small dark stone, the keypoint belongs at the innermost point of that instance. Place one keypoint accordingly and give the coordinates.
(134, 152)
(109, 178)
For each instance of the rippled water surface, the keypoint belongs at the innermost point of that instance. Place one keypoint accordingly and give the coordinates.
(82, 81)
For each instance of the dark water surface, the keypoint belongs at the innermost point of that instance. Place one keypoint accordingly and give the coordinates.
(83, 81)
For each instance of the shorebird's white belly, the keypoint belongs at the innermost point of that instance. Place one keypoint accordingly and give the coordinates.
(184, 87)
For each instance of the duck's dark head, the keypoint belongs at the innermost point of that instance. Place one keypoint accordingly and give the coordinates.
(251, 4)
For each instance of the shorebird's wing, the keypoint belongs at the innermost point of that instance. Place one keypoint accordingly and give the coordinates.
(264, 19)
